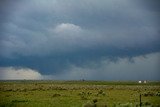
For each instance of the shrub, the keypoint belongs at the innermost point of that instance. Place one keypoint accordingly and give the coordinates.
(56, 95)
(147, 103)
(89, 104)
(17, 101)
(158, 94)
(148, 94)
(83, 97)
(123, 105)
(95, 100)
(126, 105)
(101, 92)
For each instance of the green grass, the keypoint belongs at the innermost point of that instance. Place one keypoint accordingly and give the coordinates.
(78, 93)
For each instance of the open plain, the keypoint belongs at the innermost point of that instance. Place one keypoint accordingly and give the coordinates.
(79, 94)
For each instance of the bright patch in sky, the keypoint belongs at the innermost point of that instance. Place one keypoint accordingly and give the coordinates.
(11, 73)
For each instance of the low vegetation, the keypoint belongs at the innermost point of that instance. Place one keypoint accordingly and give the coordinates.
(78, 94)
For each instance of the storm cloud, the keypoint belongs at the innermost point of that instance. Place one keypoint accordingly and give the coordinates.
(54, 36)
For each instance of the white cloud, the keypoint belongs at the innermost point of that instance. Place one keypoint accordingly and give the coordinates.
(11, 73)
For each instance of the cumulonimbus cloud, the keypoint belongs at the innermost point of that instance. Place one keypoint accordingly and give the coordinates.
(55, 33)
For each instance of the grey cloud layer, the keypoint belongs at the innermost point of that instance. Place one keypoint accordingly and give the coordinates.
(32, 27)
(140, 68)
(58, 36)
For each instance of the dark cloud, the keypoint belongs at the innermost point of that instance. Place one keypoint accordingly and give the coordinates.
(51, 35)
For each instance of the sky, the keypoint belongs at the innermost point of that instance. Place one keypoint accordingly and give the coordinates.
(80, 39)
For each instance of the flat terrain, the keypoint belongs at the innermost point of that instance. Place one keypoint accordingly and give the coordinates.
(78, 94)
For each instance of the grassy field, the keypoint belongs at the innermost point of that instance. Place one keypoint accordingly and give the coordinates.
(78, 94)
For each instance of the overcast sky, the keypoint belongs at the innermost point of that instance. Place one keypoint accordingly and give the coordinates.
(80, 39)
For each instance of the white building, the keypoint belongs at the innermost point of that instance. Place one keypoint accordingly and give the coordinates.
(140, 82)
